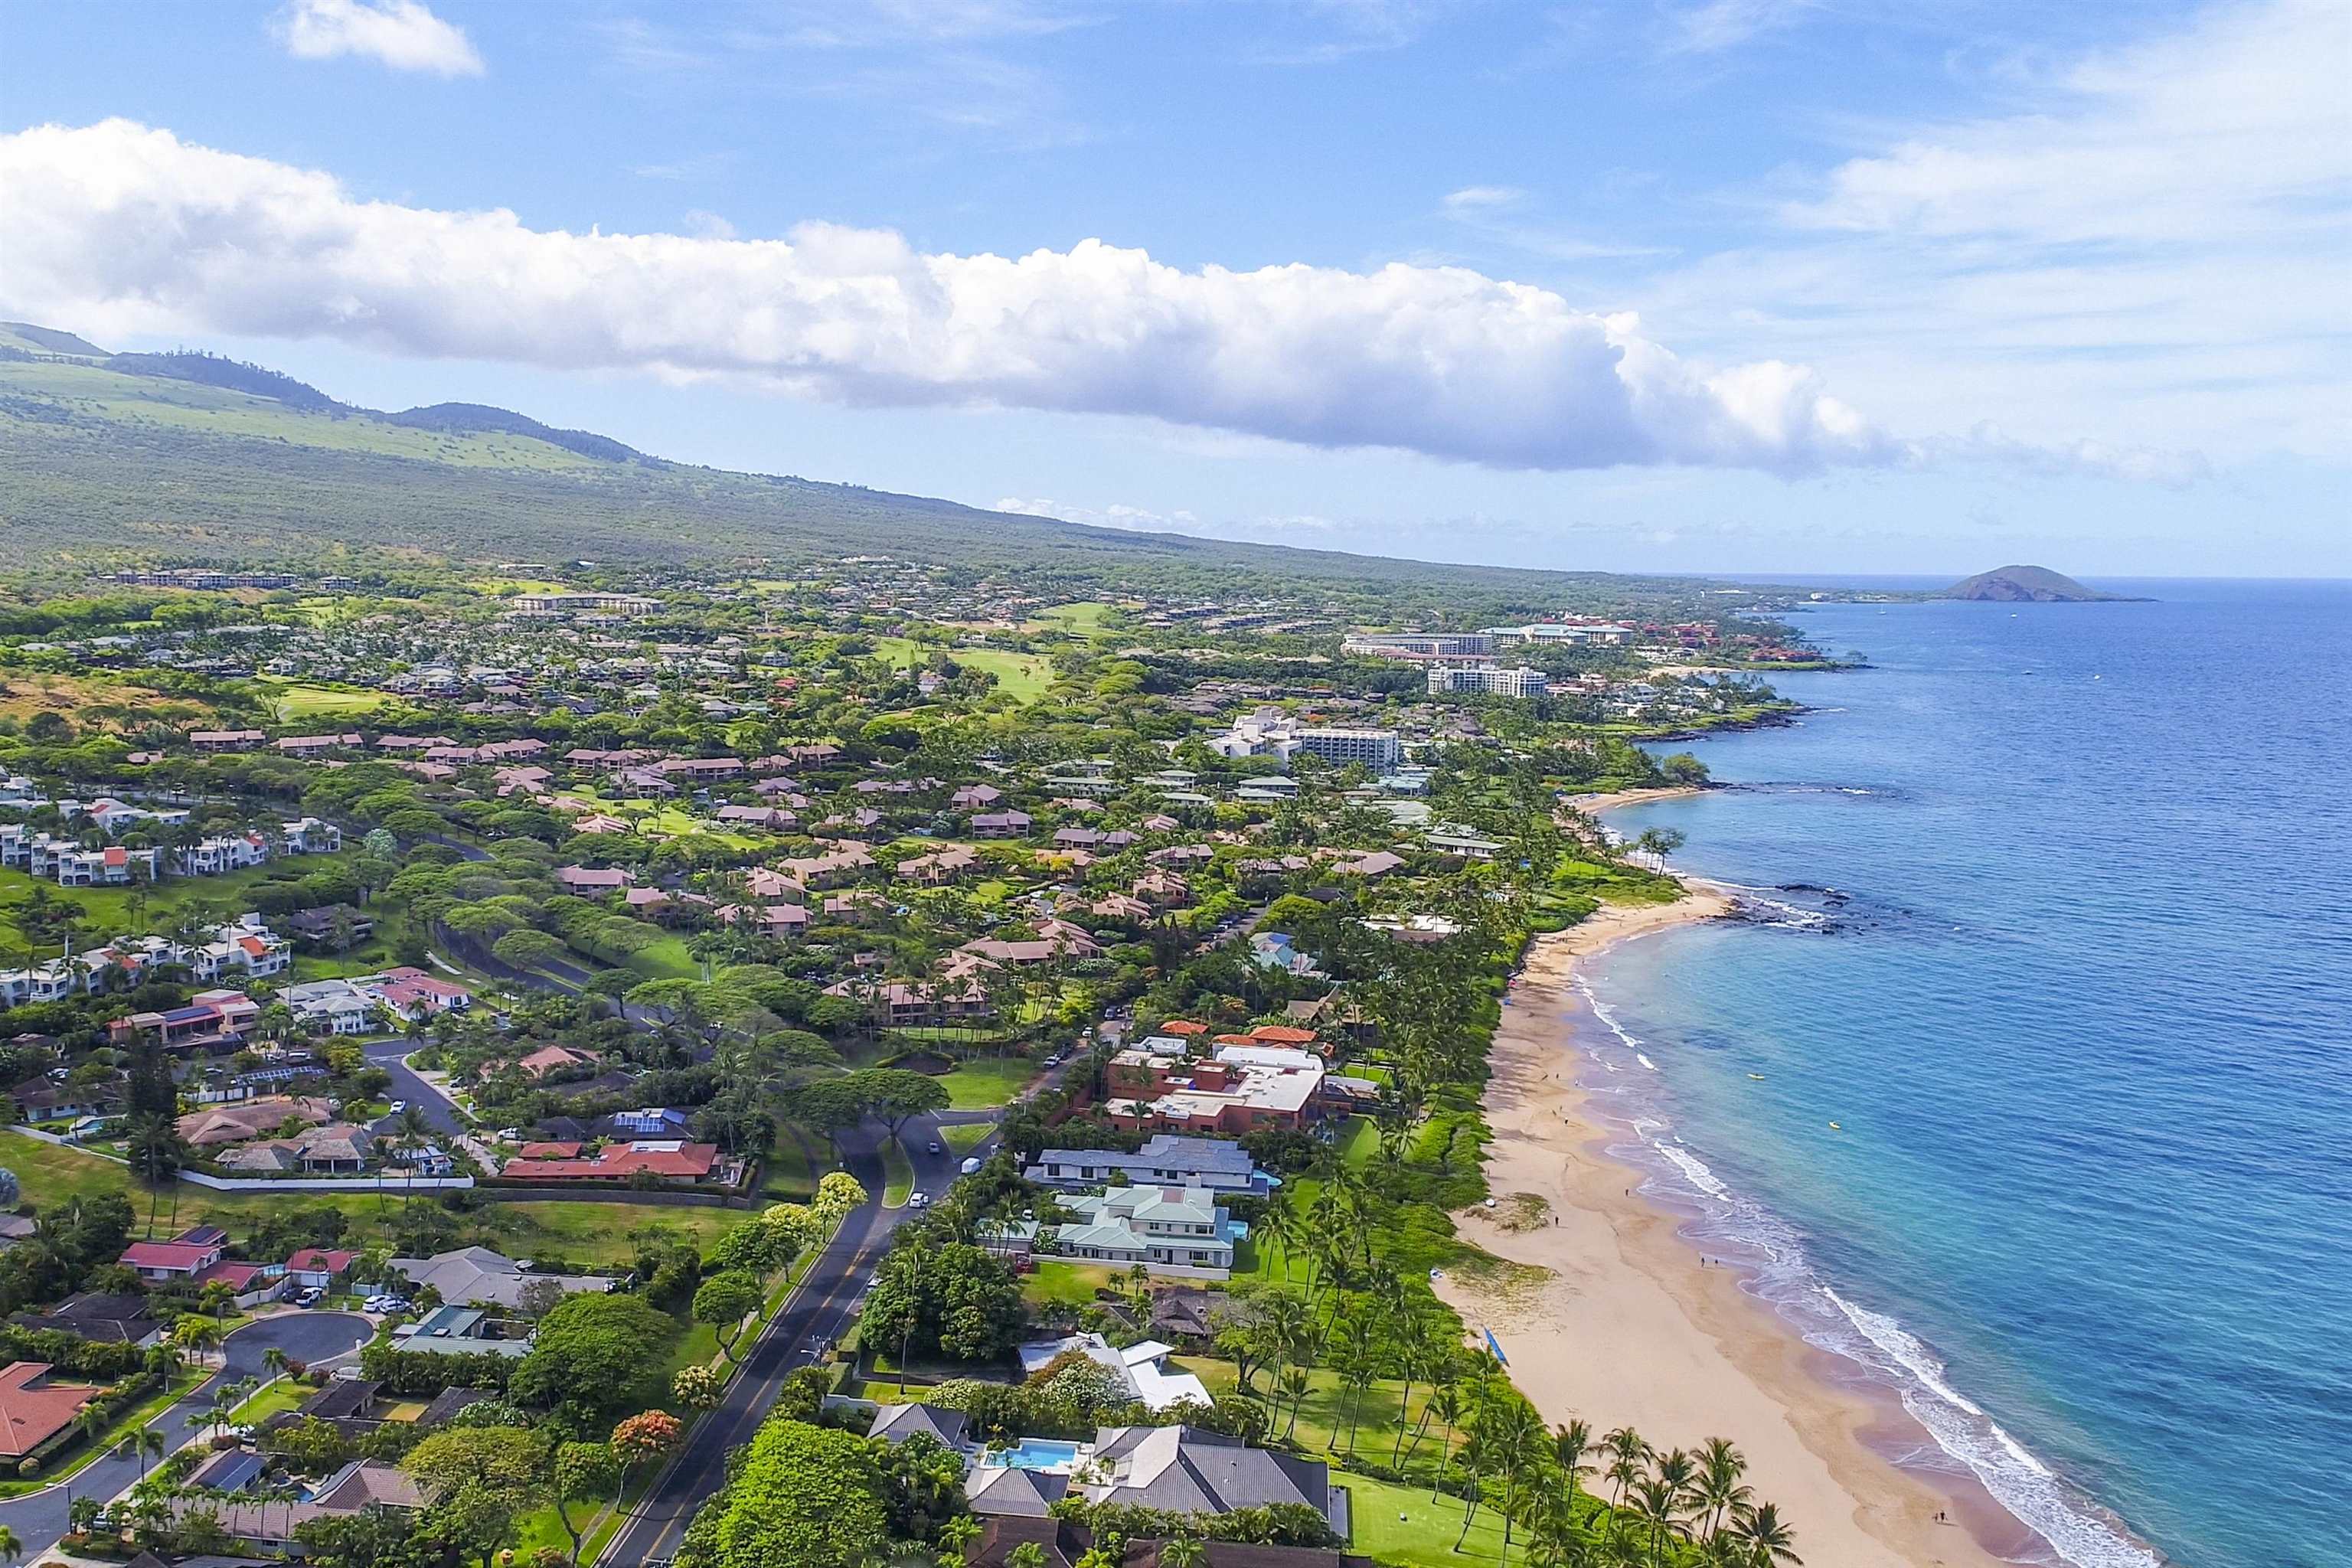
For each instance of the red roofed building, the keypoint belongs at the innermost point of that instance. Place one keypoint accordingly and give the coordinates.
(663, 1159)
(184, 1257)
(1184, 1026)
(33, 1410)
(413, 994)
(320, 1266)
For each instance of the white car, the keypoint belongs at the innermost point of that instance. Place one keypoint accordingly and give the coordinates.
(919, 1200)
(397, 1107)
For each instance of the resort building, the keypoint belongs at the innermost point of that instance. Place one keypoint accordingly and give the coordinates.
(1158, 1083)
(1490, 680)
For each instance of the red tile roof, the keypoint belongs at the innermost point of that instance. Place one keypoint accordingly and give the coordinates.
(31, 1415)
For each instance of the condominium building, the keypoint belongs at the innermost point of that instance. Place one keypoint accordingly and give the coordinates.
(1492, 679)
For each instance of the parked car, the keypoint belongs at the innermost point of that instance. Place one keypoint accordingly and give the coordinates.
(919, 1200)
(312, 1297)
(971, 1164)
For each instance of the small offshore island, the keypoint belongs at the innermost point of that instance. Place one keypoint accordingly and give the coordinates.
(2032, 585)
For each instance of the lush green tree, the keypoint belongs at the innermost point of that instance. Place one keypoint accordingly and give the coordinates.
(593, 1358)
(582, 1473)
(894, 1096)
(724, 1301)
(479, 1481)
(805, 1497)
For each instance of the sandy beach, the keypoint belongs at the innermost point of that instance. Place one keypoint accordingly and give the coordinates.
(1629, 1328)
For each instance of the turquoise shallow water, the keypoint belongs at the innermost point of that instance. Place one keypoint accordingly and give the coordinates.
(2079, 995)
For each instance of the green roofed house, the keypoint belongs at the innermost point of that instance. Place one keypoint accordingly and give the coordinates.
(1177, 1227)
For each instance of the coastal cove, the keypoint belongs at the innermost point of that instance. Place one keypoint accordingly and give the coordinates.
(2023, 1100)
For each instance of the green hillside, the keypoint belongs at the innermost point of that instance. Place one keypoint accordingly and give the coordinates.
(182, 456)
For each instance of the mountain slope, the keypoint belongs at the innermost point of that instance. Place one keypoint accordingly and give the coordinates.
(196, 459)
(481, 418)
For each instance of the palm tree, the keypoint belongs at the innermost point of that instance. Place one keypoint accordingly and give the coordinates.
(1571, 1441)
(1296, 1383)
(1183, 1551)
(274, 1360)
(1627, 1454)
(1718, 1490)
(142, 1445)
(12, 1549)
(1446, 1405)
(1767, 1539)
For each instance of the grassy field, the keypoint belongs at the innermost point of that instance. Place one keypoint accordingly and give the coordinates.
(1399, 1524)
(1085, 619)
(582, 1233)
(294, 702)
(785, 1176)
(1026, 676)
(985, 1081)
(118, 912)
(1072, 1285)
(666, 958)
(1323, 1416)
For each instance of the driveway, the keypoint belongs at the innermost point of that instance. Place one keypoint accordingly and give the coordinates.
(40, 1518)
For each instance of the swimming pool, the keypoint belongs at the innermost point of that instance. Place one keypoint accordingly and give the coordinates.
(1035, 1453)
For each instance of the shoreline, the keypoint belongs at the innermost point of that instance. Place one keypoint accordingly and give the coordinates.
(1657, 1339)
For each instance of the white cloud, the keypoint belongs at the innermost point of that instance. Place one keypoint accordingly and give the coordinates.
(2145, 255)
(118, 227)
(1720, 25)
(1483, 198)
(402, 34)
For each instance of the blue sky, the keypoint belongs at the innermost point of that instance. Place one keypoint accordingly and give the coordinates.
(1747, 285)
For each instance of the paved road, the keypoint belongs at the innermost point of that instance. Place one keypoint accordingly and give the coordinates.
(40, 1518)
(439, 1114)
(823, 1310)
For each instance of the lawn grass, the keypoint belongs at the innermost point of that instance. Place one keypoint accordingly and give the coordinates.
(1023, 676)
(1070, 1285)
(1399, 1524)
(1322, 1424)
(665, 959)
(283, 1393)
(584, 1233)
(108, 912)
(981, 1083)
(898, 1174)
(965, 1136)
(293, 702)
(785, 1176)
(1081, 619)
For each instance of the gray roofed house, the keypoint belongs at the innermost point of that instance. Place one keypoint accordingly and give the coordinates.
(1185, 1470)
(478, 1276)
(1166, 1158)
(1011, 1490)
(446, 1403)
(894, 1423)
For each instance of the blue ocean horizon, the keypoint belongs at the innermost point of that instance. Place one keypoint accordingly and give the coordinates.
(2058, 932)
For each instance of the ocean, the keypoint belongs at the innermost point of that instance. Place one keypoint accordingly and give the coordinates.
(2056, 928)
